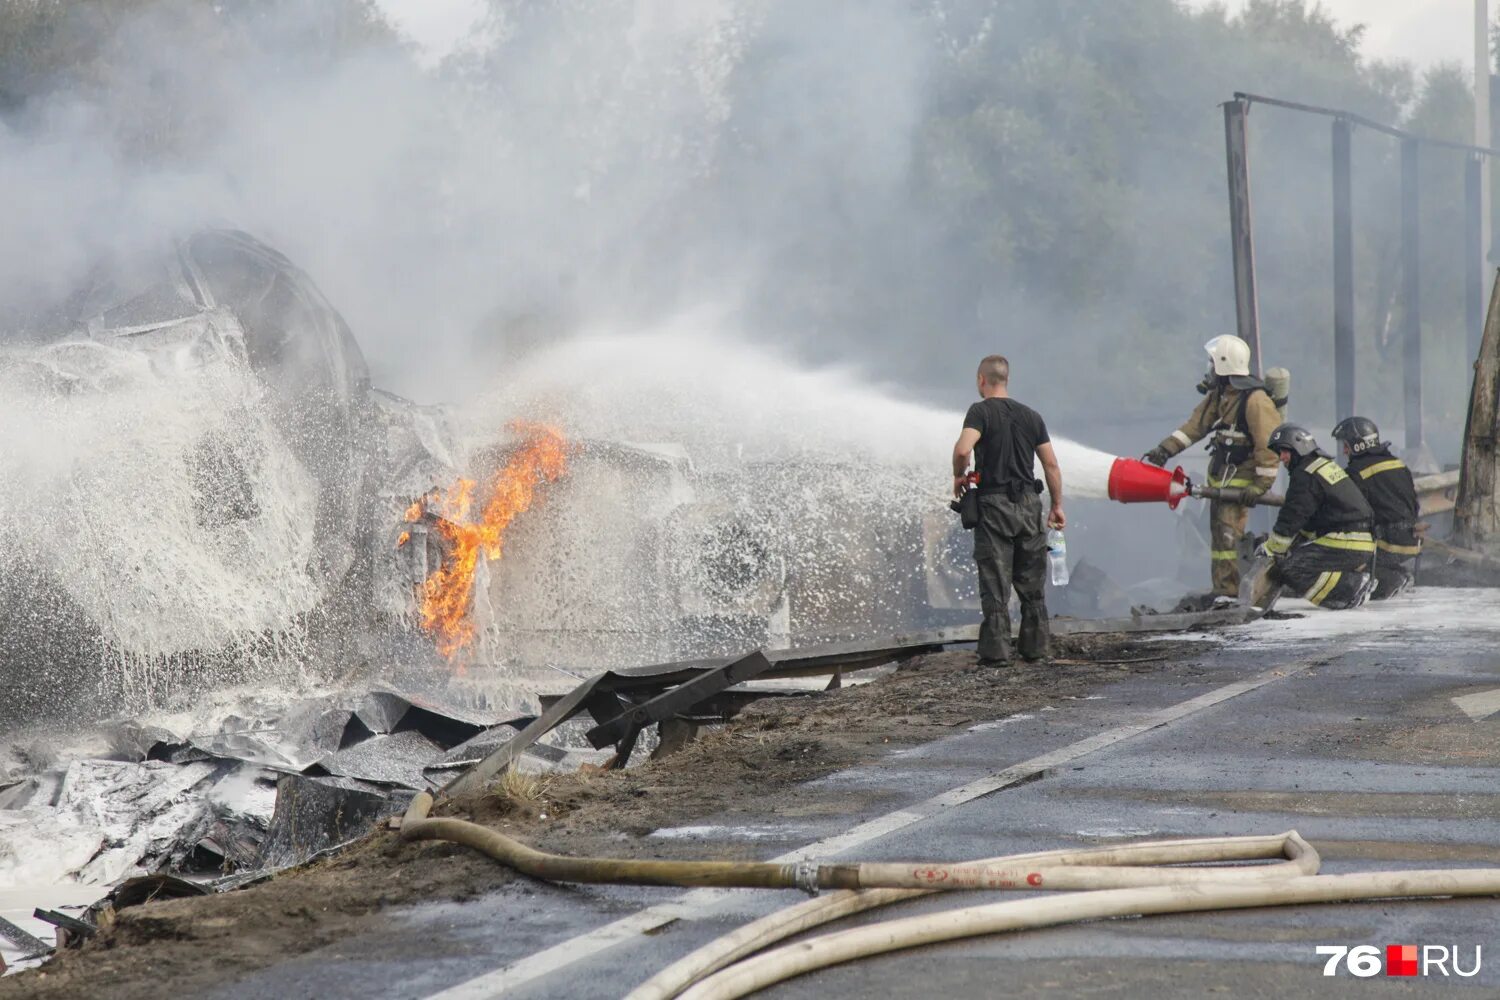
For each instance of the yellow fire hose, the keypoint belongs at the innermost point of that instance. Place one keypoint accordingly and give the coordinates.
(1119, 881)
(831, 949)
(1112, 867)
(1302, 859)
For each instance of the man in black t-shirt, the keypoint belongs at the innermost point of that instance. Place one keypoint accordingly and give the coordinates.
(1010, 541)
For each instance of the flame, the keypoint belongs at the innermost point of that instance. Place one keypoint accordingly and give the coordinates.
(448, 592)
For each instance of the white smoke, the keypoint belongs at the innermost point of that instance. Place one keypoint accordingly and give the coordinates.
(604, 167)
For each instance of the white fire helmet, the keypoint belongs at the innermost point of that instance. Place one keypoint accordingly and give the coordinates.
(1230, 354)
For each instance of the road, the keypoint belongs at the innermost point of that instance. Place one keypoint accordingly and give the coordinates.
(1343, 726)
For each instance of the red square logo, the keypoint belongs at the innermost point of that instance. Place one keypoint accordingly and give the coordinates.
(1400, 960)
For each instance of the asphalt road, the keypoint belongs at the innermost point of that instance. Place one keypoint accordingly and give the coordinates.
(1341, 726)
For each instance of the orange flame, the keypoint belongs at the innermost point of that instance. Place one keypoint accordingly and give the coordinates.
(448, 592)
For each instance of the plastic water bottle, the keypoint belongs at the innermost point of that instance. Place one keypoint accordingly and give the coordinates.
(1057, 557)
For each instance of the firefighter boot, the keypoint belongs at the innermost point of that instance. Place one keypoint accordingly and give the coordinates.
(1261, 587)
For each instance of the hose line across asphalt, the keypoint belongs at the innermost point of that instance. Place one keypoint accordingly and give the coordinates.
(1300, 859)
(1124, 880)
(789, 961)
(1092, 868)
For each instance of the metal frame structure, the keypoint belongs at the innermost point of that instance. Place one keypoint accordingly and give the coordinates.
(623, 702)
(1236, 140)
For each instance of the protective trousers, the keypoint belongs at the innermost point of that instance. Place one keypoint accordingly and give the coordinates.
(1010, 547)
(1227, 522)
(1395, 560)
(1333, 578)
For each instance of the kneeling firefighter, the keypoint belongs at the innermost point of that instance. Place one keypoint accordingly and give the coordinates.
(1387, 484)
(1321, 542)
(1239, 413)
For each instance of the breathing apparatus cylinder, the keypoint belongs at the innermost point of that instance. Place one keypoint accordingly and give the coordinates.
(1279, 387)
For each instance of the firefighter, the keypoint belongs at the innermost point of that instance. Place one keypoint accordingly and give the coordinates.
(1239, 415)
(1387, 484)
(1321, 542)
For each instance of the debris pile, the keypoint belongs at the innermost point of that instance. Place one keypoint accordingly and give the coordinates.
(219, 807)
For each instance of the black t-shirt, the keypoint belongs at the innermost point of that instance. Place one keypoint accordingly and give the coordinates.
(1009, 433)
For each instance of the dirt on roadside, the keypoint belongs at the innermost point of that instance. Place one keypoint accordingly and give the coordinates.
(754, 766)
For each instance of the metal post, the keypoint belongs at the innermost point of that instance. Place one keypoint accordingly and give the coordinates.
(1343, 274)
(1411, 297)
(1473, 254)
(1482, 111)
(1236, 150)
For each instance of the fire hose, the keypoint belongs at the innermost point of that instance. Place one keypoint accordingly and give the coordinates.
(1077, 869)
(1118, 881)
(789, 961)
(1238, 495)
(1300, 857)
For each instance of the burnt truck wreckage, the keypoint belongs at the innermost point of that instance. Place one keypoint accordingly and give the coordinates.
(287, 474)
(254, 450)
(686, 570)
(290, 476)
(222, 303)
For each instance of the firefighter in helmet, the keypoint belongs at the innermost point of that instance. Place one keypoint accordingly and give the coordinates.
(1387, 484)
(1321, 542)
(1238, 415)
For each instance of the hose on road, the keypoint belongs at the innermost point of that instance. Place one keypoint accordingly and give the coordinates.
(1301, 859)
(1094, 868)
(861, 942)
(1123, 880)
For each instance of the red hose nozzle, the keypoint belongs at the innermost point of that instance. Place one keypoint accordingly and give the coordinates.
(1133, 481)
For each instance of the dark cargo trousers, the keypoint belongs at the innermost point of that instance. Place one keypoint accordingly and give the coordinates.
(1333, 578)
(1010, 546)
(1397, 548)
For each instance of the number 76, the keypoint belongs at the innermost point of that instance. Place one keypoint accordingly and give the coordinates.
(1363, 959)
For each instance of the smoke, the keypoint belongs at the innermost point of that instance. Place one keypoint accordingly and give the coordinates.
(620, 161)
(888, 185)
(781, 228)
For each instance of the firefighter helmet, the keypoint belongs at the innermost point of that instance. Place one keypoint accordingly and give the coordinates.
(1292, 438)
(1230, 354)
(1359, 433)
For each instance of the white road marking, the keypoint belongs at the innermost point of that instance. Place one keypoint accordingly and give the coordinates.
(1481, 705)
(699, 901)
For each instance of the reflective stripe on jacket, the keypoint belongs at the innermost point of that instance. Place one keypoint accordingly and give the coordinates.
(1324, 506)
(1387, 484)
(1220, 414)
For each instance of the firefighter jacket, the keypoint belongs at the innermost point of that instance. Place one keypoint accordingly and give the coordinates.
(1238, 416)
(1387, 484)
(1324, 507)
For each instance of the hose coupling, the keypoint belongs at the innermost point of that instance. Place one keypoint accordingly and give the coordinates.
(805, 874)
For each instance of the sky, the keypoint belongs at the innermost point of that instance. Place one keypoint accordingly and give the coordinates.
(1422, 32)
(437, 26)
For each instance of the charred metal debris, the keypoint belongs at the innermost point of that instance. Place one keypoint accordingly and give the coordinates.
(183, 814)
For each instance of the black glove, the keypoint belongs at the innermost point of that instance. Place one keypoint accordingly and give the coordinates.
(1156, 456)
